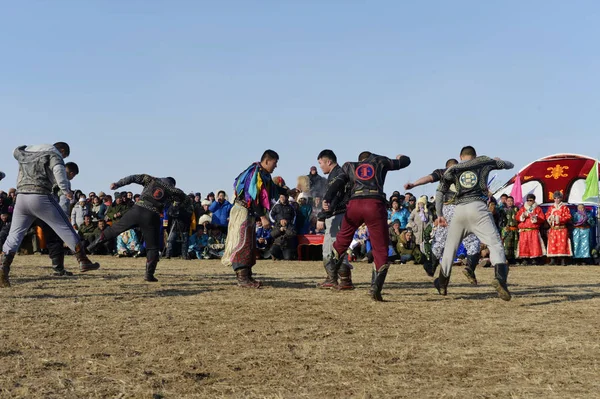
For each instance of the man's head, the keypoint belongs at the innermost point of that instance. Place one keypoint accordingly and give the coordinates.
(197, 197)
(283, 222)
(221, 196)
(530, 198)
(408, 234)
(63, 148)
(510, 201)
(364, 155)
(91, 195)
(4, 217)
(395, 204)
(72, 170)
(327, 161)
(129, 194)
(136, 198)
(118, 200)
(101, 224)
(199, 230)
(283, 199)
(451, 162)
(168, 180)
(467, 153)
(87, 220)
(269, 160)
(205, 204)
(313, 170)
(317, 201)
(210, 196)
(503, 198)
(396, 224)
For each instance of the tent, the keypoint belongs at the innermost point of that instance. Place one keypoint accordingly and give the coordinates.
(561, 172)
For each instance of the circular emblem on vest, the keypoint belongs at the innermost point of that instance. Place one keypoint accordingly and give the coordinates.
(364, 172)
(158, 193)
(468, 179)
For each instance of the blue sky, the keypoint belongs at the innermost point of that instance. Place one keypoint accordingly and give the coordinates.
(197, 90)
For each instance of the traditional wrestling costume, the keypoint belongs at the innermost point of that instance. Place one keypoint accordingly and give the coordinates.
(255, 191)
(367, 205)
(333, 222)
(471, 215)
(145, 214)
(40, 167)
(471, 243)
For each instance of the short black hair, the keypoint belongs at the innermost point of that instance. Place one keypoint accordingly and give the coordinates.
(72, 166)
(531, 196)
(504, 195)
(64, 147)
(511, 197)
(269, 154)
(364, 155)
(468, 151)
(327, 154)
(451, 162)
(221, 191)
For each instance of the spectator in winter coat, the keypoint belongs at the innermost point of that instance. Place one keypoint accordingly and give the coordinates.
(221, 208)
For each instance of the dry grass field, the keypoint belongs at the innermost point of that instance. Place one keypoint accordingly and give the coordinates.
(108, 334)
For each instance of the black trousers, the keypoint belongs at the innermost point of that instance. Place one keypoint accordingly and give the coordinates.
(54, 244)
(146, 220)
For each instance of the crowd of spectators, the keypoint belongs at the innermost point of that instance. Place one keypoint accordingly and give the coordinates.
(199, 230)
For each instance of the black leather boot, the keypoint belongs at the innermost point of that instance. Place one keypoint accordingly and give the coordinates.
(151, 263)
(58, 264)
(499, 281)
(244, 278)
(469, 271)
(5, 262)
(431, 265)
(345, 275)
(377, 280)
(441, 284)
(85, 264)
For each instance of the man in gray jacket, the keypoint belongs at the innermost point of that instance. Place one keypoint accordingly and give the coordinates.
(40, 167)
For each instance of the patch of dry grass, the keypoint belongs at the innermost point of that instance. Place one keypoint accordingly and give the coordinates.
(108, 334)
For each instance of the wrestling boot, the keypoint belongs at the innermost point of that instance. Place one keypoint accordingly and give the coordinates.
(377, 280)
(256, 282)
(58, 265)
(499, 281)
(5, 262)
(243, 278)
(441, 284)
(332, 268)
(85, 264)
(469, 271)
(430, 266)
(345, 275)
(151, 263)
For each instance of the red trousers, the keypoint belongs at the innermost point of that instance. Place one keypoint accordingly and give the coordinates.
(373, 213)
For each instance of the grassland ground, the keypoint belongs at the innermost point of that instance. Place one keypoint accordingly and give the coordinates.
(194, 334)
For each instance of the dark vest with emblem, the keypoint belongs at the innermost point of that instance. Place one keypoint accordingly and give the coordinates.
(470, 179)
(367, 177)
(154, 196)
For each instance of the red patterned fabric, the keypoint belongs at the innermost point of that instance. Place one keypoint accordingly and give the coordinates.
(530, 218)
(559, 243)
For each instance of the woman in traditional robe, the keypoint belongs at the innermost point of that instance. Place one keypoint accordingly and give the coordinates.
(530, 218)
(582, 223)
(559, 244)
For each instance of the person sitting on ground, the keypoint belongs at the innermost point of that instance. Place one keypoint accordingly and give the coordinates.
(128, 244)
(263, 240)
(408, 249)
(197, 243)
(87, 230)
(284, 241)
(215, 246)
